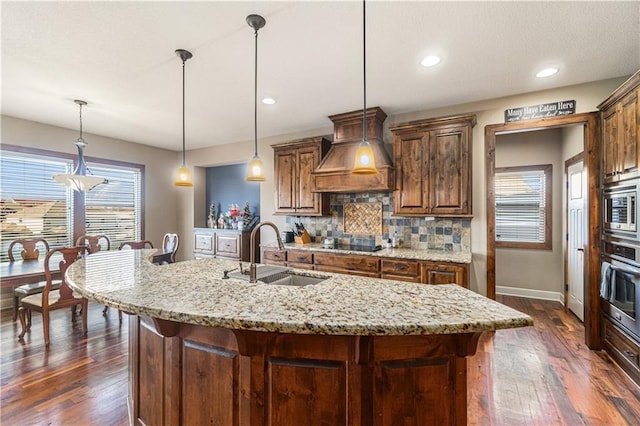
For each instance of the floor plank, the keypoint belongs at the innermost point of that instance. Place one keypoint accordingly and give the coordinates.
(541, 375)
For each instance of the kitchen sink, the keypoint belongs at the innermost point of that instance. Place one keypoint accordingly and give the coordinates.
(291, 278)
(278, 275)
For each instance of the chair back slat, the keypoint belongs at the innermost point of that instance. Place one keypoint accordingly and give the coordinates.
(69, 255)
(93, 242)
(29, 249)
(136, 245)
(170, 243)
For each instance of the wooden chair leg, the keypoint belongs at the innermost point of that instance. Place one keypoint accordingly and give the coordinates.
(23, 322)
(120, 315)
(16, 305)
(45, 326)
(104, 311)
(85, 308)
(28, 317)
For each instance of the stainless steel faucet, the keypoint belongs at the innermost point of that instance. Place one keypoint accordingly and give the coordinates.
(252, 247)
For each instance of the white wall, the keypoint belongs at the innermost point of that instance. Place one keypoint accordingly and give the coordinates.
(160, 164)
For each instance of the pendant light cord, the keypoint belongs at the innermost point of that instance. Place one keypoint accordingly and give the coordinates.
(364, 73)
(80, 139)
(255, 97)
(183, 133)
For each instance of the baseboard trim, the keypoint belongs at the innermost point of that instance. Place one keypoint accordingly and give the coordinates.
(530, 293)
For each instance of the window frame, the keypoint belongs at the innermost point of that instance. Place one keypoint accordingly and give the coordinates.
(78, 206)
(547, 244)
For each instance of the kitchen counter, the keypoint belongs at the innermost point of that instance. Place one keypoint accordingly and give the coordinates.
(347, 351)
(399, 253)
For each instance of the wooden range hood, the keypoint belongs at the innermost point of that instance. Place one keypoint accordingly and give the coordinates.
(333, 174)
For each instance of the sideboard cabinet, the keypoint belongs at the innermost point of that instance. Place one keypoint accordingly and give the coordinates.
(294, 163)
(432, 159)
(223, 243)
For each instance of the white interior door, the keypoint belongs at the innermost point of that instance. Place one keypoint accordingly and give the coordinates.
(576, 229)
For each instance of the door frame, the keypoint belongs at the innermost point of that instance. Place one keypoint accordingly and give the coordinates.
(591, 149)
(568, 163)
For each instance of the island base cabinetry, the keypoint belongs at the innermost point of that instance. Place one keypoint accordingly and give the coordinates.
(184, 374)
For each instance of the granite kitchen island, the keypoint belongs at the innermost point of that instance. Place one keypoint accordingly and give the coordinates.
(345, 351)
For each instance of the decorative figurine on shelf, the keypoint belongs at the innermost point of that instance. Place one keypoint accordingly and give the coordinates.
(212, 216)
(221, 222)
(246, 217)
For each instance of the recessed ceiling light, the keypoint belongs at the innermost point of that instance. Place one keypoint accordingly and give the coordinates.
(268, 101)
(430, 61)
(546, 72)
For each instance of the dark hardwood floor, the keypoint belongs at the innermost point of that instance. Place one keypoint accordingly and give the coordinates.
(541, 375)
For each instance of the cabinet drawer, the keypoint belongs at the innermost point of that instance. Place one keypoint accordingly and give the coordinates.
(227, 245)
(203, 242)
(626, 349)
(348, 263)
(409, 268)
(300, 265)
(274, 255)
(299, 256)
(372, 274)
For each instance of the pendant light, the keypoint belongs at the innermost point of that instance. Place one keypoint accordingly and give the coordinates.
(79, 181)
(255, 171)
(365, 163)
(183, 175)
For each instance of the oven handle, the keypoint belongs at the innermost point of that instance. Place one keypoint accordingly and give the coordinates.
(635, 272)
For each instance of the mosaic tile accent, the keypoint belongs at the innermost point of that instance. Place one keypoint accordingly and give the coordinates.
(446, 234)
(363, 218)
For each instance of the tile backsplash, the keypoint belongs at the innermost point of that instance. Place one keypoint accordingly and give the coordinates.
(447, 234)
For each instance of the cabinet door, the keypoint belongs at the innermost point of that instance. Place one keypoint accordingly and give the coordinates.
(285, 180)
(610, 143)
(307, 161)
(228, 246)
(449, 171)
(412, 174)
(444, 273)
(628, 152)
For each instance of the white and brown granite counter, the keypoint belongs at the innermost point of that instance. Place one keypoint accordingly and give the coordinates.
(194, 292)
(399, 253)
(346, 351)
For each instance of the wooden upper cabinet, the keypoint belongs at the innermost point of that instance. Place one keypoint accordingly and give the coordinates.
(620, 132)
(433, 166)
(294, 162)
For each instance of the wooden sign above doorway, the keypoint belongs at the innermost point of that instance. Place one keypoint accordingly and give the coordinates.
(551, 109)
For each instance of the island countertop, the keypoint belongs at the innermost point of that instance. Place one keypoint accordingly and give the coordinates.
(194, 292)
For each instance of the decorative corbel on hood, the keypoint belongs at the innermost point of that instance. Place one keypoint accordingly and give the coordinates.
(333, 174)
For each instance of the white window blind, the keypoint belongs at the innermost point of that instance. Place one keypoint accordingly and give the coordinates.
(33, 205)
(115, 209)
(521, 205)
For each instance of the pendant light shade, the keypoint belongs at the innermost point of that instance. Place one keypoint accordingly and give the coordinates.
(79, 181)
(255, 172)
(365, 162)
(183, 175)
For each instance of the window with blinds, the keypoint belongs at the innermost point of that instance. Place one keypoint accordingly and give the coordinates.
(523, 207)
(32, 204)
(115, 209)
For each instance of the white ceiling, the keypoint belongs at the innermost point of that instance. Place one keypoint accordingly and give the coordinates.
(119, 57)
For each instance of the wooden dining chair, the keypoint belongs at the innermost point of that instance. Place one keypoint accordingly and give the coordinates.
(29, 252)
(136, 245)
(94, 243)
(170, 243)
(51, 299)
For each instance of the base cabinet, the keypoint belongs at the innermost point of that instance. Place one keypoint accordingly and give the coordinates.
(184, 374)
(223, 243)
(417, 271)
(624, 349)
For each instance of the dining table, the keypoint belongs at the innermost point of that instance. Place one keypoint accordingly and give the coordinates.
(19, 272)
